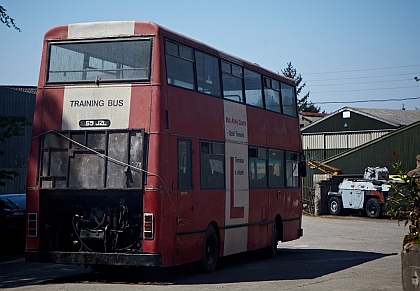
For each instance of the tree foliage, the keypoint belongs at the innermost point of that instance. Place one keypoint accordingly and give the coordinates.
(7, 20)
(11, 126)
(303, 103)
(404, 203)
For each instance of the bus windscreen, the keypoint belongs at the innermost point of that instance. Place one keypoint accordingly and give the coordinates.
(116, 60)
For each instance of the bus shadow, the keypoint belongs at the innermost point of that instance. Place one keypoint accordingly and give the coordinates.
(289, 264)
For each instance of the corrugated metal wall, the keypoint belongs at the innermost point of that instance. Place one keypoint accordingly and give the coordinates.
(342, 140)
(16, 103)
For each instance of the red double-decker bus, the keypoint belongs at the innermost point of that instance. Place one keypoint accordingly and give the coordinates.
(152, 149)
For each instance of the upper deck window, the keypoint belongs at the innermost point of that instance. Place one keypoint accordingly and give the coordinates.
(253, 88)
(208, 78)
(180, 65)
(272, 94)
(232, 82)
(114, 60)
(288, 100)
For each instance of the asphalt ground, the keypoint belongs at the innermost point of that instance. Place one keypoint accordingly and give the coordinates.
(335, 253)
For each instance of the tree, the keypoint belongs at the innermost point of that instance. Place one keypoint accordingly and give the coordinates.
(11, 126)
(7, 20)
(303, 103)
(404, 203)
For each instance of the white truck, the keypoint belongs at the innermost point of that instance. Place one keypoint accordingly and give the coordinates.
(368, 194)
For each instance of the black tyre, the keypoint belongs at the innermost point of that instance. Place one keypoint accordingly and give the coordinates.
(210, 251)
(373, 208)
(272, 249)
(335, 205)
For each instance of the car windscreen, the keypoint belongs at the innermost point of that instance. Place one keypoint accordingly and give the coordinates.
(13, 201)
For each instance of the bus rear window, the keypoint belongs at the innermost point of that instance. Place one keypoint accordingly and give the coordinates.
(115, 60)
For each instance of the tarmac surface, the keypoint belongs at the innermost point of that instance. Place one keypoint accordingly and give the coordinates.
(335, 253)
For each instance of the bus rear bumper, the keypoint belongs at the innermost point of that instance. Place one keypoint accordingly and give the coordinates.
(94, 259)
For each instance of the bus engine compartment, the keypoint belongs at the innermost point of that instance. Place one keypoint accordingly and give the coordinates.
(91, 222)
(90, 190)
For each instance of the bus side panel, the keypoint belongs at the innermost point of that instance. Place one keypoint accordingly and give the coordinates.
(292, 214)
(277, 205)
(186, 111)
(284, 135)
(153, 191)
(32, 202)
(140, 106)
(208, 206)
(187, 248)
(52, 109)
(257, 126)
(257, 234)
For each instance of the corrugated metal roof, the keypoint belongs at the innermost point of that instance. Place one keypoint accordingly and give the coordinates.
(26, 89)
(393, 117)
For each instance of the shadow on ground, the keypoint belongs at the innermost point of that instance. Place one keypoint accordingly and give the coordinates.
(289, 264)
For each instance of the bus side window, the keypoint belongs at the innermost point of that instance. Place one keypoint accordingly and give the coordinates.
(253, 88)
(288, 100)
(272, 94)
(184, 165)
(208, 78)
(257, 168)
(232, 82)
(179, 65)
(292, 173)
(212, 164)
(275, 169)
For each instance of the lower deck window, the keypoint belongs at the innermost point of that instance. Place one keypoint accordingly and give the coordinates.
(184, 164)
(292, 172)
(212, 172)
(257, 168)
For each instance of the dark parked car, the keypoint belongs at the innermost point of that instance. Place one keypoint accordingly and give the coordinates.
(12, 213)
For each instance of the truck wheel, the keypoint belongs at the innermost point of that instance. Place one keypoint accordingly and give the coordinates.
(210, 251)
(335, 205)
(373, 208)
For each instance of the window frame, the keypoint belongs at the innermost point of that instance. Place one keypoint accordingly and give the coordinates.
(281, 175)
(232, 75)
(178, 57)
(261, 94)
(295, 169)
(188, 164)
(234, 71)
(84, 71)
(212, 167)
(256, 155)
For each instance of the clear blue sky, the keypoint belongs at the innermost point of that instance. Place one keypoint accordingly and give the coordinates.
(345, 50)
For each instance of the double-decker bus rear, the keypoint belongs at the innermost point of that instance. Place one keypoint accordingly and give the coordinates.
(152, 149)
(85, 186)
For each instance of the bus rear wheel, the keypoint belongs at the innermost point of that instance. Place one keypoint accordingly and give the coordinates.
(271, 251)
(210, 251)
